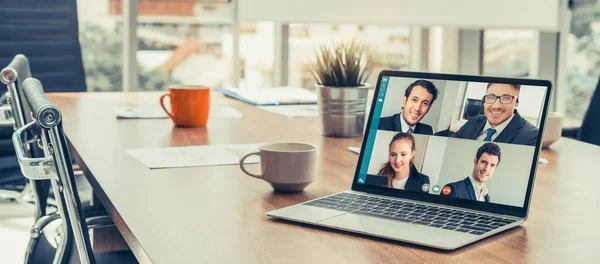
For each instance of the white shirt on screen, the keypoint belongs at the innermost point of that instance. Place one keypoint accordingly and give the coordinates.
(480, 194)
(498, 128)
(401, 184)
(405, 126)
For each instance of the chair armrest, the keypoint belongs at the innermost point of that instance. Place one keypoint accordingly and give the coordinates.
(570, 132)
(41, 223)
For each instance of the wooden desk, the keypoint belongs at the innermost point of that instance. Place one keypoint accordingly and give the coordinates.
(217, 214)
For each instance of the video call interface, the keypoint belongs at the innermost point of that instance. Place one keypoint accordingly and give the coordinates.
(467, 140)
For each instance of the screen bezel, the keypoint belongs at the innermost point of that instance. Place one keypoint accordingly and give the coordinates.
(475, 205)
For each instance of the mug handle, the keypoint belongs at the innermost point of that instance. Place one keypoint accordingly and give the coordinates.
(243, 158)
(162, 103)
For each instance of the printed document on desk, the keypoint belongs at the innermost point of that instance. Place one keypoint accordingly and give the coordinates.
(153, 111)
(271, 96)
(193, 156)
(292, 110)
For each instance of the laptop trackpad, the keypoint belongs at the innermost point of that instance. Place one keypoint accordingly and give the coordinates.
(382, 227)
(304, 213)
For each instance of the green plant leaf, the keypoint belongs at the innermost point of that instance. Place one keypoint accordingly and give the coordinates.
(342, 64)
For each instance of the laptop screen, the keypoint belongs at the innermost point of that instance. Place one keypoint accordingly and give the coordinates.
(454, 137)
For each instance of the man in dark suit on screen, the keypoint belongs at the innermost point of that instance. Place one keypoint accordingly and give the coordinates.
(474, 187)
(416, 102)
(500, 122)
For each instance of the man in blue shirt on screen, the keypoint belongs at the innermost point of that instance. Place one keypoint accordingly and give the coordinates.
(416, 102)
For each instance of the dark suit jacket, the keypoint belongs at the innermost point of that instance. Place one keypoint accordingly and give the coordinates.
(392, 123)
(464, 190)
(416, 180)
(518, 131)
(414, 183)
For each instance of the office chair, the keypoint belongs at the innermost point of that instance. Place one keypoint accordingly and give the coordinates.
(56, 166)
(473, 107)
(589, 131)
(16, 72)
(47, 32)
(13, 76)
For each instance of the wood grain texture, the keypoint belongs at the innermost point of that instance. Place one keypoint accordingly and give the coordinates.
(218, 214)
(107, 239)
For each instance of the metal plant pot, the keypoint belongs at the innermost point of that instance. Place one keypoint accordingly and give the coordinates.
(342, 110)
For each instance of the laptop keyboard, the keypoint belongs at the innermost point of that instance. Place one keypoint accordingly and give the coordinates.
(414, 213)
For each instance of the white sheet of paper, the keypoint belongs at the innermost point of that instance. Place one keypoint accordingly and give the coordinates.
(194, 156)
(275, 95)
(355, 149)
(152, 111)
(293, 110)
(223, 111)
(139, 112)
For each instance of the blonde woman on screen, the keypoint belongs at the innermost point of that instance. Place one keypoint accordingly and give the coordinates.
(400, 169)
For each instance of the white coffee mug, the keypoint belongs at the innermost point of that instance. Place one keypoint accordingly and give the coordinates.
(288, 167)
(553, 129)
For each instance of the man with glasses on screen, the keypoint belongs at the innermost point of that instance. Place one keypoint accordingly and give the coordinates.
(416, 102)
(500, 122)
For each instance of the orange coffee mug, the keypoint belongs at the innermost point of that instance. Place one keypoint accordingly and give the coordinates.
(189, 105)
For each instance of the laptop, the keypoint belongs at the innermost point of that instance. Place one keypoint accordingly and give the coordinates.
(448, 181)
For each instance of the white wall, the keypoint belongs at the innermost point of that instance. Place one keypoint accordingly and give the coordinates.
(447, 104)
(508, 184)
(458, 102)
(393, 100)
(381, 150)
(533, 14)
(432, 164)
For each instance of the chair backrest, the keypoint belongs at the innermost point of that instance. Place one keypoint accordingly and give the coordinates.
(48, 118)
(15, 72)
(473, 107)
(590, 127)
(47, 32)
(13, 76)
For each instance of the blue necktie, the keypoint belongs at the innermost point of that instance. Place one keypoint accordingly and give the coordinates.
(410, 130)
(490, 133)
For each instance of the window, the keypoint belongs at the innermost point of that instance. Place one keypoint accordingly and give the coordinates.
(389, 43)
(507, 53)
(180, 42)
(257, 49)
(583, 61)
(190, 42)
(101, 41)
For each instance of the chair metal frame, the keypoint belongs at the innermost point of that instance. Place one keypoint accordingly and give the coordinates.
(18, 71)
(54, 166)
(18, 67)
(32, 165)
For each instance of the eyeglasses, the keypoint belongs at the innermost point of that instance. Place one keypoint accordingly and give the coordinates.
(504, 99)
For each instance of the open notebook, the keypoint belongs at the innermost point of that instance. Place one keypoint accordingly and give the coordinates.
(271, 96)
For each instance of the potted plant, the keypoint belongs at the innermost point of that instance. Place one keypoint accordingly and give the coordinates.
(341, 71)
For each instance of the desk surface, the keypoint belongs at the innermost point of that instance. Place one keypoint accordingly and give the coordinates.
(217, 214)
